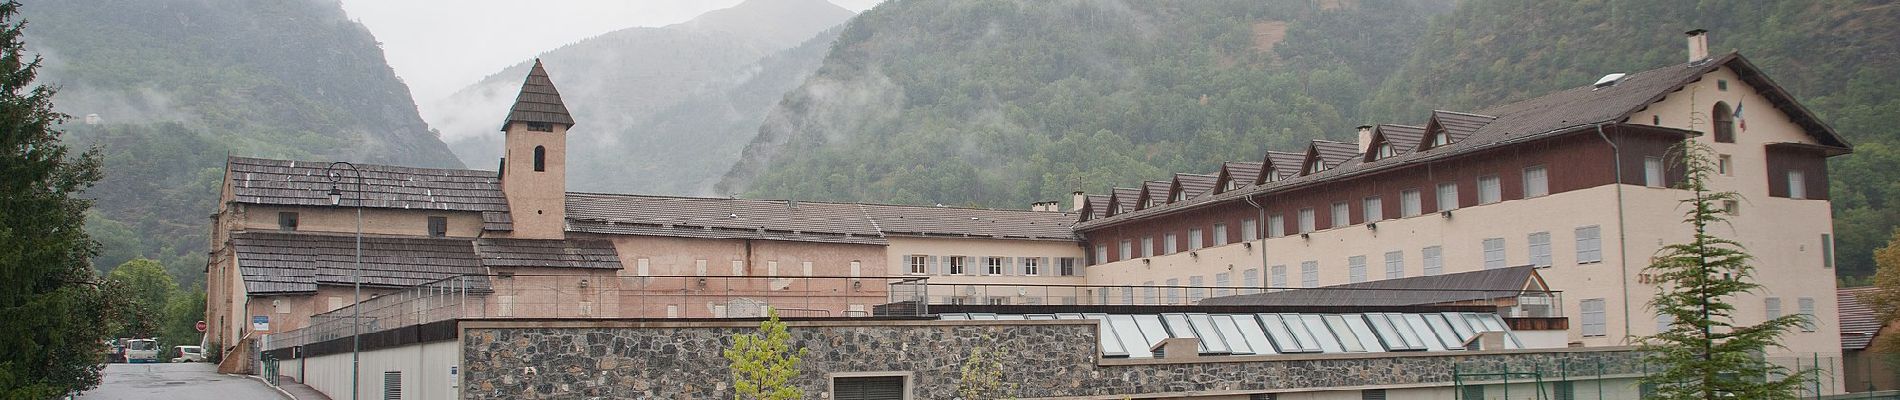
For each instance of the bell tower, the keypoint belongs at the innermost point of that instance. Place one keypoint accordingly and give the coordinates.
(534, 159)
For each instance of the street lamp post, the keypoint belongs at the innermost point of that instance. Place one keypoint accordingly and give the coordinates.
(356, 275)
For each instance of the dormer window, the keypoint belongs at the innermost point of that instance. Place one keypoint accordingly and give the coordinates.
(1231, 185)
(541, 126)
(1270, 175)
(1179, 196)
(1317, 167)
(1440, 139)
(1153, 203)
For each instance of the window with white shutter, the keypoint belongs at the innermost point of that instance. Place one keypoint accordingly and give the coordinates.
(1808, 322)
(1536, 182)
(1250, 279)
(1447, 196)
(1493, 253)
(1356, 269)
(1342, 214)
(1797, 186)
(1772, 306)
(1309, 274)
(1410, 205)
(1128, 249)
(1434, 257)
(1589, 244)
(1394, 264)
(1197, 288)
(1490, 189)
(1540, 249)
(1148, 246)
(1249, 229)
(1174, 291)
(1593, 316)
(1306, 220)
(1171, 243)
(1101, 254)
(1195, 241)
(1276, 225)
(1220, 234)
(1277, 277)
(1653, 172)
(1374, 209)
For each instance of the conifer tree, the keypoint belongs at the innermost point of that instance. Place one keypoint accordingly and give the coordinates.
(1705, 354)
(764, 362)
(54, 306)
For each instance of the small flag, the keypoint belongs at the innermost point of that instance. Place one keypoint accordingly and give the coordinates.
(1739, 121)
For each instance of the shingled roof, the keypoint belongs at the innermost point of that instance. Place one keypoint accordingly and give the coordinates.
(1560, 113)
(1859, 323)
(303, 183)
(1239, 171)
(1195, 184)
(1415, 291)
(279, 263)
(538, 101)
(721, 218)
(572, 253)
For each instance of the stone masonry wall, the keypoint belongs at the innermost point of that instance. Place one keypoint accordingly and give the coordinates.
(682, 360)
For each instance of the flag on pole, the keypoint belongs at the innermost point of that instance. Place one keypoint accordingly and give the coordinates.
(1740, 122)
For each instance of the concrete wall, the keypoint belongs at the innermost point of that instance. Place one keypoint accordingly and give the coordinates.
(1050, 359)
(425, 369)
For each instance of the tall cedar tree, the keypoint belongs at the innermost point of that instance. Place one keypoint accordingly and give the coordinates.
(1705, 354)
(764, 363)
(1885, 298)
(55, 307)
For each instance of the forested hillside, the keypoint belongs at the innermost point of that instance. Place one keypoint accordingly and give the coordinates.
(1001, 103)
(178, 84)
(1839, 58)
(661, 110)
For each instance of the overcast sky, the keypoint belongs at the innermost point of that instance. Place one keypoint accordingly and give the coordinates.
(439, 46)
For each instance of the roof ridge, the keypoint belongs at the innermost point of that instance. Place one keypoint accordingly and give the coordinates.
(874, 204)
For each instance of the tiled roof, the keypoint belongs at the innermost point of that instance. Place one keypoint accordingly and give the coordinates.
(1332, 153)
(1155, 191)
(1403, 138)
(1126, 199)
(1241, 171)
(1859, 323)
(1553, 114)
(1195, 184)
(1096, 205)
(538, 101)
(803, 220)
(1415, 291)
(273, 263)
(1285, 163)
(303, 183)
(572, 253)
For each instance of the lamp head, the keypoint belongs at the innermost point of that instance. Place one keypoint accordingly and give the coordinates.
(336, 196)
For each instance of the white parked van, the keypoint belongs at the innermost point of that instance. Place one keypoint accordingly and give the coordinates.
(141, 351)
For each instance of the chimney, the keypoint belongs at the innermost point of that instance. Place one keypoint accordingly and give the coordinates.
(1698, 45)
(1077, 199)
(1365, 138)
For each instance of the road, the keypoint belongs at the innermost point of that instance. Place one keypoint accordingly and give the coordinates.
(176, 381)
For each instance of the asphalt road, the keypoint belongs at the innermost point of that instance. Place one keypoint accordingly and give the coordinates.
(176, 381)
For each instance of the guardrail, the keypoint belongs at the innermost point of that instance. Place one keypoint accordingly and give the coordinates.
(1510, 303)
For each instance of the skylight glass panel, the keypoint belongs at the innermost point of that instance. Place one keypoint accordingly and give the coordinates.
(1068, 316)
(1111, 340)
(1394, 333)
(1412, 340)
(1460, 325)
(1039, 317)
(1251, 332)
(1425, 335)
(1445, 333)
(1308, 342)
(982, 317)
(1152, 329)
(1327, 342)
(1283, 338)
(953, 317)
(1347, 339)
(1211, 339)
(1366, 338)
(1009, 317)
(1131, 337)
(1230, 332)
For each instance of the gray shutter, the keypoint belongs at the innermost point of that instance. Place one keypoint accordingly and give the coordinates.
(1013, 266)
(868, 388)
(931, 263)
(392, 385)
(1043, 267)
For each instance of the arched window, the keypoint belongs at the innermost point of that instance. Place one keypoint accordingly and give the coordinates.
(1724, 123)
(540, 159)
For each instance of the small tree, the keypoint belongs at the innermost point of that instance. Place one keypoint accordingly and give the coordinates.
(1704, 354)
(1885, 297)
(764, 363)
(151, 290)
(981, 375)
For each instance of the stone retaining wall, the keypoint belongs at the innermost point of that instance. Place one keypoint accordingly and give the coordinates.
(682, 360)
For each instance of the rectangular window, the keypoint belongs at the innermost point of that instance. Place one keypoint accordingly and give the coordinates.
(1223, 284)
(956, 264)
(1725, 165)
(1306, 220)
(1276, 225)
(1410, 205)
(1594, 322)
(1250, 279)
(1342, 214)
(1731, 207)
(1171, 243)
(1827, 250)
(1536, 182)
(286, 221)
(1653, 172)
(1663, 321)
(1797, 188)
(1309, 274)
(1148, 246)
(1374, 209)
(1277, 277)
(1356, 269)
(1493, 253)
(1249, 229)
(1394, 264)
(1220, 234)
(1447, 196)
(1032, 266)
(1197, 288)
(1148, 295)
(1772, 306)
(918, 264)
(1068, 265)
(438, 226)
(1174, 291)
(1194, 239)
(1101, 254)
(1490, 189)
(868, 388)
(1434, 260)
(995, 265)
(1128, 249)
(1589, 244)
(1808, 321)
(1540, 249)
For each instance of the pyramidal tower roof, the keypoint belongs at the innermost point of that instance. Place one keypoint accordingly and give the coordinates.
(538, 101)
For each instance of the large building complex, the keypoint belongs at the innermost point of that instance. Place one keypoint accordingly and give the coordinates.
(1568, 192)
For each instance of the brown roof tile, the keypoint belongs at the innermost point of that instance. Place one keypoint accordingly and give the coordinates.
(272, 262)
(1859, 322)
(303, 183)
(572, 253)
(538, 101)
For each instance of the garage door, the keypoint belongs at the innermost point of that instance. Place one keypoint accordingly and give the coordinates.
(868, 388)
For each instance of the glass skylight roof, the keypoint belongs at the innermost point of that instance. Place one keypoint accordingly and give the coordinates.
(1132, 336)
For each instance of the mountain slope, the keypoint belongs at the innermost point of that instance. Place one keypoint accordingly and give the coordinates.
(1001, 103)
(178, 84)
(658, 107)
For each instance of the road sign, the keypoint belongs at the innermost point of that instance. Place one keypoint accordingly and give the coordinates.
(201, 326)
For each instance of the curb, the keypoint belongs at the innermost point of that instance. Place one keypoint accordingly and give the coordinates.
(260, 379)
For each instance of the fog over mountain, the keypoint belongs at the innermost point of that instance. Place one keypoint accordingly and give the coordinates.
(660, 110)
